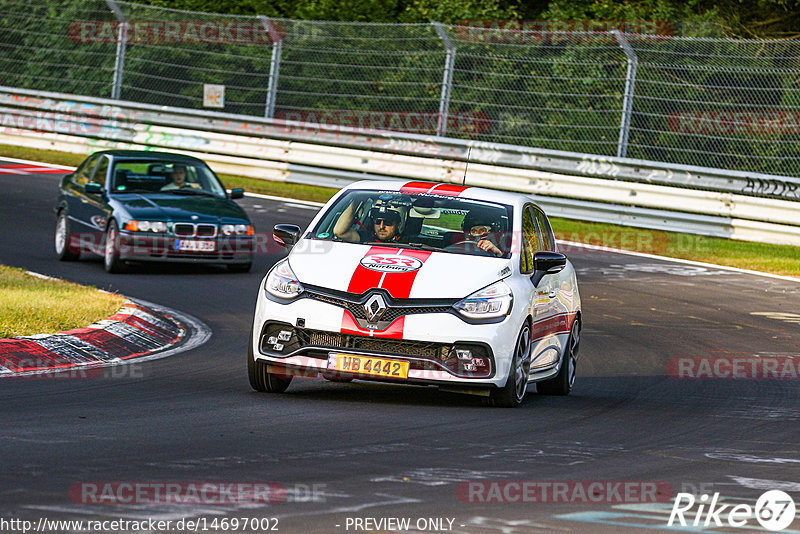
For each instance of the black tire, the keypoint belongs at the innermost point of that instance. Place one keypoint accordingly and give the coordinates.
(66, 248)
(512, 393)
(239, 267)
(111, 259)
(260, 378)
(563, 382)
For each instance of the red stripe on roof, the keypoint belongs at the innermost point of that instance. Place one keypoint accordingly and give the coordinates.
(449, 189)
(417, 187)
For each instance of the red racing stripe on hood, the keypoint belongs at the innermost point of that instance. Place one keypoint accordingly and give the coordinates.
(363, 278)
(393, 331)
(399, 284)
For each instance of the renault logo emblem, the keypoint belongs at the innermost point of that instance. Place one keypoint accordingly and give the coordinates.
(375, 307)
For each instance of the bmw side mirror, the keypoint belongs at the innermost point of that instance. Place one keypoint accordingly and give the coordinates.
(93, 188)
(286, 235)
(237, 193)
(545, 263)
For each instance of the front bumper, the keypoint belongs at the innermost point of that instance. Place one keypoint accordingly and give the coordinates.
(426, 340)
(144, 247)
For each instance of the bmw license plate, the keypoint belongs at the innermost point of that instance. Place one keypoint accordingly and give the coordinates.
(195, 245)
(367, 366)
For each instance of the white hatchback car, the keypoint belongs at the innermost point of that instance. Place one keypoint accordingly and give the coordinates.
(421, 283)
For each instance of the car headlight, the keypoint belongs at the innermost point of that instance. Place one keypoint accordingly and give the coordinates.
(238, 229)
(488, 303)
(281, 282)
(146, 226)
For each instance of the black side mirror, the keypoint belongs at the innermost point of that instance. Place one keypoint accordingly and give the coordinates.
(93, 188)
(545, 263)
(237, 193)
(286, 235)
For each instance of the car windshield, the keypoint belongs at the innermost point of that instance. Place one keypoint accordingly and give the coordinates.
(424, 221)
(157, 176)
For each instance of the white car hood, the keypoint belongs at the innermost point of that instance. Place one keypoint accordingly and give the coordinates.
(430, 275)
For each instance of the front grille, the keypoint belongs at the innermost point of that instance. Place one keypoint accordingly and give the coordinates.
(333, 340)
(194, 230)
(427, 355)
(355, 305)
(206, 230)
(183, 229)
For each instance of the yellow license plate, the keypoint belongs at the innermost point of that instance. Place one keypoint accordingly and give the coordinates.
(367, 366)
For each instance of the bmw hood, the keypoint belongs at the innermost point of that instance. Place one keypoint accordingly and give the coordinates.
(180, 208)
(404, 273)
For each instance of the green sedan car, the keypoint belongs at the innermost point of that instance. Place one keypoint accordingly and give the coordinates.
(127, 205)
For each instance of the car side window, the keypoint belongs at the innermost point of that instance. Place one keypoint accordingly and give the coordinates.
(530, 240)
(81, 176)
(548, 241)
(100, 171)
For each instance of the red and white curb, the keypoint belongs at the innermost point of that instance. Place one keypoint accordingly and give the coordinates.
(139, 331)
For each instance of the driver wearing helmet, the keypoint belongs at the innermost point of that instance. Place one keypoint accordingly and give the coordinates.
(477, 227)
(385, 224)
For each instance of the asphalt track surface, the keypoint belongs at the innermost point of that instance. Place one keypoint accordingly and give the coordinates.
(375, 450)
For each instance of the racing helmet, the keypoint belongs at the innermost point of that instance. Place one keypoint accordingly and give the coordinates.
(479, 217)
(391, 211)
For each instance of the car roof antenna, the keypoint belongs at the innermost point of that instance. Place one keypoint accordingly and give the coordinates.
(464, 180)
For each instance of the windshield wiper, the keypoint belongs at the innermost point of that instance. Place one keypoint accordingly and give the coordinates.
(424, 246)
(191, 192)
(420, 246)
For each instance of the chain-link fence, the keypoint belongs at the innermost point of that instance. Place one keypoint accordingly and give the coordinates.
(711, 102)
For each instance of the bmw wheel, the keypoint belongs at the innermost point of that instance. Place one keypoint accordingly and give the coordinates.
(112, 261)
(512, 393)
(562, 383)
(64, 241)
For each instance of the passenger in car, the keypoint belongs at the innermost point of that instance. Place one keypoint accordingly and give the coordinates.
(479, 228)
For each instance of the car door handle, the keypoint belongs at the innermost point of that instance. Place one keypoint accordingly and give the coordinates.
(552, 294)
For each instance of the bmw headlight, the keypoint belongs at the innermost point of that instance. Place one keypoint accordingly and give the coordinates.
(146, 226)
(281, 282)
(488, 303)
(238, 229)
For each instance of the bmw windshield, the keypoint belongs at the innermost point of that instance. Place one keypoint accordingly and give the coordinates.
(185, 178)
(419, 220)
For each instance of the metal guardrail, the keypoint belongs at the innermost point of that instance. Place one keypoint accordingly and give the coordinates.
(113, 115)
(624, 191)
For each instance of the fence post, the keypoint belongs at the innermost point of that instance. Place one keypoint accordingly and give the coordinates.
(274, 66)
(627, 102)
(447, 79)
(122, 42)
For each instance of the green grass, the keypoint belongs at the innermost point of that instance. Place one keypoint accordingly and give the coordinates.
(777, 259)
(32, 305)
(48, 156)
(281, 189)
